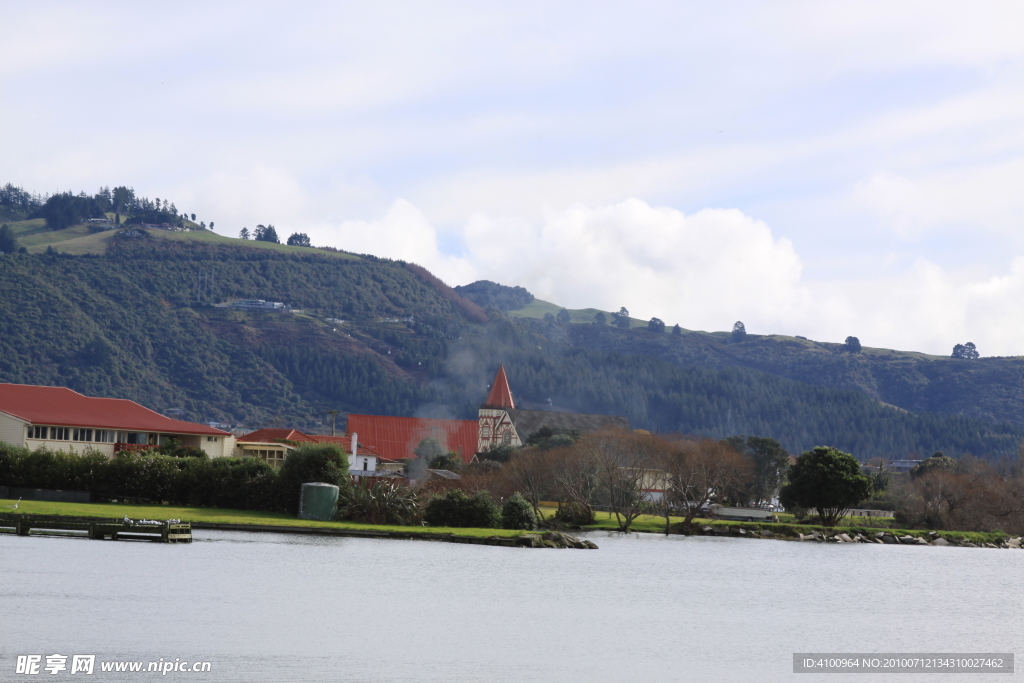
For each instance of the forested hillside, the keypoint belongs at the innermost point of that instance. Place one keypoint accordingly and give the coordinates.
(148, 320)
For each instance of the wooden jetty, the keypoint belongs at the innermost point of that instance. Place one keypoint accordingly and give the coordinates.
(170, 531)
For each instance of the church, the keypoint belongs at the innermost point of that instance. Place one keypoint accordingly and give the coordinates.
(498, 422)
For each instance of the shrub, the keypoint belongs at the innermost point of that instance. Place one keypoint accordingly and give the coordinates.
(310, 463)
(241, 483)
(574, 514)
(458, 509)
(517, 513)
(379, 502)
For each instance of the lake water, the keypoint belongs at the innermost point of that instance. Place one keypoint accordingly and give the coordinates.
(643, 608)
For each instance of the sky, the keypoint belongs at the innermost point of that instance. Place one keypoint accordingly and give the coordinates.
(816, 169)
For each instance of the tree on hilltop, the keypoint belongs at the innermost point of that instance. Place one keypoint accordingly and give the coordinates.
(563, 316)
(852, 345)
(966, 351)
(266, 233)
(739, 331)
(299, 239)
(656, 325)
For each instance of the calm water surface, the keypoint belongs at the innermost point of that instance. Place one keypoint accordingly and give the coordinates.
(644, 608)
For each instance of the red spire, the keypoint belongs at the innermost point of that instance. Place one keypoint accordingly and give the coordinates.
(501, 395)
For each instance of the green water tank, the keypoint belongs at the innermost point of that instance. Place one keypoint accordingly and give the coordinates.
(318, 501)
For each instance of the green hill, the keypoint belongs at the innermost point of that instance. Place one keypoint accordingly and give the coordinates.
(148, 320)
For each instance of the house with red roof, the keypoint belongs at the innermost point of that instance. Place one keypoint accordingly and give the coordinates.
(273, 445)
(62, 419)
(396, 438)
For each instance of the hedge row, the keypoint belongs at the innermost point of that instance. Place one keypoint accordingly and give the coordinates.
(238, 483)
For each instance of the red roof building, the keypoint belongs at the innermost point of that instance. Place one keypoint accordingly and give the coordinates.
(59, 418)
(396, 438)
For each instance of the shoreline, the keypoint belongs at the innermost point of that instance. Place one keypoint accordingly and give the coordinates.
(268, 522)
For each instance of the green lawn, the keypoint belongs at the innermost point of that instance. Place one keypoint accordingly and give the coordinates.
(225, 516)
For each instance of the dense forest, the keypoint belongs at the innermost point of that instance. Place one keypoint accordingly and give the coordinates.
(149, 321)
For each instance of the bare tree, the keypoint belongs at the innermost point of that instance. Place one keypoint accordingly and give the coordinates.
(625, 463)
(530, 472)
(575, 476)
(697, 470)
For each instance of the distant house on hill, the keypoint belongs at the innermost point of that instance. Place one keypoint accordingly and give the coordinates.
(501, 423)
(62, 419)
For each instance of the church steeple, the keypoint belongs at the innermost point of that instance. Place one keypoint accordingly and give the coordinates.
(500, 395)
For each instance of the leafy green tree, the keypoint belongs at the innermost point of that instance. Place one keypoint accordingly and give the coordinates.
(852, 345)
(827, 480)
(266, 233)
(656, 325)
(563, 316)
(244, 233)
(8, 242)
(600, 318)
(770, 461)
(66, 209)
(193, 218)
(298, 239)
(966, 351)
(621, 318)
(310, 463)
(549, 317)
(739, 331)
(938, 461)
(677, 331)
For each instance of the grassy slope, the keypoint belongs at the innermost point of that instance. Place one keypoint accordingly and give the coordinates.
(224, 516)
(537, 309)
(77, 240)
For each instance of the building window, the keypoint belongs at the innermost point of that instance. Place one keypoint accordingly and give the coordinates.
(485, 431)
(35, 432)
(366, 465)
(104, 436)
(273, 458)
(60, 433)
(506, 438)
(81, 435)
(211, 438)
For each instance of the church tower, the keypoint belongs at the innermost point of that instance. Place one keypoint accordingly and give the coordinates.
(494, 422)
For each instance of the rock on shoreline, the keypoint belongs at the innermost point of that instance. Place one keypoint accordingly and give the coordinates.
(554, 539)
(880, 537)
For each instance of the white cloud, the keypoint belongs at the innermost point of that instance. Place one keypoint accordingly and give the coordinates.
(981, 198)
(705, 270)
(402, 233)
